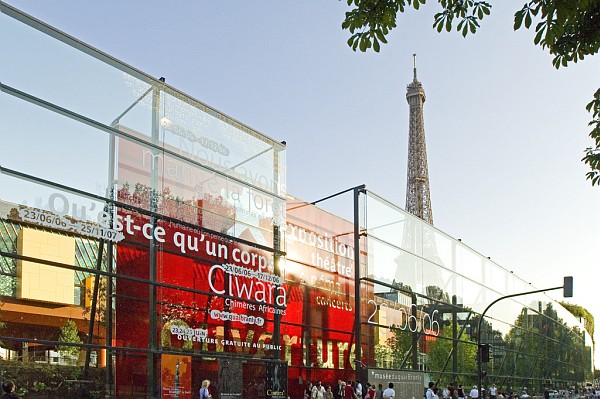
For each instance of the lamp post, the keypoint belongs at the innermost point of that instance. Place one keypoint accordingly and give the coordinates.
(567, 288)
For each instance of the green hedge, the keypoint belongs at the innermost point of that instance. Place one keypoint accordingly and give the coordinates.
(39, 380)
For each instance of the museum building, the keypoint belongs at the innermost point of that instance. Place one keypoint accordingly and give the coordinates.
(147, 243)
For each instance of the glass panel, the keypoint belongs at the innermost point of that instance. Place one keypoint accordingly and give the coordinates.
(392, 225)
(193, 194)
(500, 278)
(41, 205)
(53, 144)
(116, 98)
(70, 78)
(468, 263)
(394, 266)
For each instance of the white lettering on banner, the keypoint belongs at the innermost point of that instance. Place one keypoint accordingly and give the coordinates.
(423, 321)
(243, 285)
(242, 318)
(320, 241)
(186, 242)
(252, 280)
(328, 253)
(189, 334)
(239, 304)
(62, 222)
(189, 135)
(333, 303)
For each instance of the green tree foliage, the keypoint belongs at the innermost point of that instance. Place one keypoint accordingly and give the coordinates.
(582, 312)
(396, 349)
(440, 349)
(592, 155)
(541, 344)
(568, 29)
(69, 334)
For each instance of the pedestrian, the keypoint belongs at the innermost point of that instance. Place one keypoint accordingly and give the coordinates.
(328, 393)
(371, 394)
(379, 392)
(204, 392)
(461, 392)
(358, 389)
(493, 391)
(429, 393)
(446, 392)
(9, 389)
(349, 393)
(308, 390)
(318, 391)
(474, 392)
(338, 390)
(389, 392)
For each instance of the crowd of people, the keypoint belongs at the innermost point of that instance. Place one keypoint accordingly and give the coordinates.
(452, 392)
(358, 390)
(349, 390)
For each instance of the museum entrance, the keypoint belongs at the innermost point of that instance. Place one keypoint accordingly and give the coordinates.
(230, 378)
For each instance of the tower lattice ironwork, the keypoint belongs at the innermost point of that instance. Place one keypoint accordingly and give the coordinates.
(417, 187)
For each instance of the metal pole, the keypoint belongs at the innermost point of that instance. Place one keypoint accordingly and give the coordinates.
(277, 272)
(454, 341)
(152, 319)
(357, 307)
(90, 337)
(481, 319)
(111, 192)
(415, 334)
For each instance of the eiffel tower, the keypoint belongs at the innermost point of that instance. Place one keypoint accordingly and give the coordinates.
(417, 186)
(416, 238)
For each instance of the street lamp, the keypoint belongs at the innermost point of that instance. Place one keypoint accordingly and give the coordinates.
(567, 288)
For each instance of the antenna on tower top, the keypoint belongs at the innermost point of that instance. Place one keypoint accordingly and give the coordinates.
(415, 65)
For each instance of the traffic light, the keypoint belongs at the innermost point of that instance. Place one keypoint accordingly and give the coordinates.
(568, 287)
(484, 353)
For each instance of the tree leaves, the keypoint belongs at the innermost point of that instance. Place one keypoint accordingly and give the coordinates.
(592, 155)
(370, 21)
(524, 14)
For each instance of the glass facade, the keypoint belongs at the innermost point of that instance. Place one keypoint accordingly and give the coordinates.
(429, 292)
(147, 243)
(141, 231)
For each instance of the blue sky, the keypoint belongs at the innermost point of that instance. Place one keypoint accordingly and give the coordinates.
(505, 130)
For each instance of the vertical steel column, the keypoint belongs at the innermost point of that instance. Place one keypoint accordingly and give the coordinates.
(454, 341)
(94, 305)
(415, 333)
(151, 392)
(357, 276)
(112, 194)
(109, 324)
(277, 220)
(277, 272)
